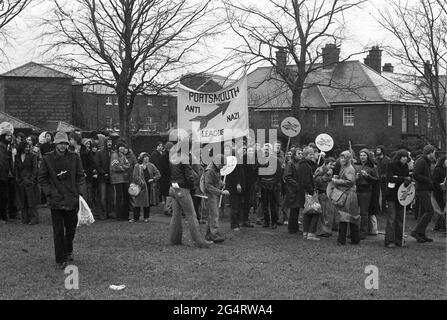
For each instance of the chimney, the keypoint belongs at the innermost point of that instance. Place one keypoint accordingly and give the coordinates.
(281, 60)
(374, 59)
(427, 69)
(331, 55)
(388, 67)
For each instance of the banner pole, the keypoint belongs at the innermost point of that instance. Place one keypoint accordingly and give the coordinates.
(403, 227)
(220, 200)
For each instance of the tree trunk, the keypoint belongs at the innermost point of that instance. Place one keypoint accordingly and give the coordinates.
(123, 114)
(296, 110)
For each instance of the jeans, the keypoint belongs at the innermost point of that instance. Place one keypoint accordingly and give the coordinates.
(425, 211)
(136, 213)
(364, 199)
(293, 226)
(237, 207)
(64, 229)
(310, 223)
(197, 201)
(182, 202)
(4, 200)
(107, 194)
(122, 201)
(394, 223)
(269, 200)
(343, 229)
(212, 204)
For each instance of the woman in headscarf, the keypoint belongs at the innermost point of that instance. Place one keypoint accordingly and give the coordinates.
(144, 174)
(348, 210)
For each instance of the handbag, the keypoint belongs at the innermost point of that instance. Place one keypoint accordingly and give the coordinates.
(337, 196)
(85, 216)
(134, 189)
(312, 205)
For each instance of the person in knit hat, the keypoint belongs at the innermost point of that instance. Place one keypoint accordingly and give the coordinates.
(5, 170)
(62, 179)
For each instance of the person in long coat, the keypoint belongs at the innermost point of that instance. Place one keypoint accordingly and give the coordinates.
(291, 188)
(145, 174)
(349, 212)
(28, 194)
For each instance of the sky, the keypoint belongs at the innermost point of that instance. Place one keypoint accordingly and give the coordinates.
(362, 32)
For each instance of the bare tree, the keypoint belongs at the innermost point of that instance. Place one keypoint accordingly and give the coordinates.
(421, 30)
(10, 9)
(132, 46)
(299, 28)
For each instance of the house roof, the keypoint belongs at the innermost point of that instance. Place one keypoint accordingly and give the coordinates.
(349, 82)
(16, 123)
(206, 81)
(106, 90)
(35, 70)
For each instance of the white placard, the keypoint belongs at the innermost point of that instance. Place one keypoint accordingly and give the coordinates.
(291, 127)
(324, 142)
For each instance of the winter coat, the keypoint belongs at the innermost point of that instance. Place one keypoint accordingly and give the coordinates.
(291, 184)
(322, 177)
(62, 180)
(155, 158)
(364, 184)
(273, 179)
(439, 175)
(382, 164)
(5, 162)
(197, 171)
(350, 212)
(165, 171)
(26, 177)
(147, 195)
(305, 181)
(213, 183)
(397, 172)
(102, 160)
(46, 147)
(422, 174)
(181, 173)
(234, 178)
(119, 168)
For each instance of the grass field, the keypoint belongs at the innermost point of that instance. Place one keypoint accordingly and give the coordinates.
(251, 264)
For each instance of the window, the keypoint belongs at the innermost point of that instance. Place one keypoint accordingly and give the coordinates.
(275, 120)
(428, 118)
(390, 116)
(348, 117)
(326, 120)
(165, 102)
(149, 102)
(416, 117)
(108, 101)
(116, 101)
(314, 119)
(404, 119)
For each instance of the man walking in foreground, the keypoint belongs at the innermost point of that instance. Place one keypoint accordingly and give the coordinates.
(61, 177)
(424, 188)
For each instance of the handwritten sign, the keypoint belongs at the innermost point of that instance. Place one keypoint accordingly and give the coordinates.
(229, 167)
(324, 142)
(405, 195)
(291, 127)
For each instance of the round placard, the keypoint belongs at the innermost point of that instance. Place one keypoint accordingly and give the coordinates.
(405, 195)
(229, 167)
(7, 125)
(291, 127)
(324, 142)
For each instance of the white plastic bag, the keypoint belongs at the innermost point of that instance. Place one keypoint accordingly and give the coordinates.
(85, 216)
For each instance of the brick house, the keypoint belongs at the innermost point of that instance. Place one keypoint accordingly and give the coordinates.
(349, 100)
(36, 94)
(98, 110)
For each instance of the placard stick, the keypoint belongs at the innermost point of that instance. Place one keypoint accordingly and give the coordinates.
(403, 227)
(288, 145)
(220, 200)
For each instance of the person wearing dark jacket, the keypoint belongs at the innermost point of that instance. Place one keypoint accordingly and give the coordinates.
(270, 179)
(28, 195)
(397, 173)
(182, 186)
(48, 145)
(439, 174)
(366, 175)
(291, 186)
(106, 190)
(250, 174)
(62, 179)
(424, 186)
(306, 187)
(165, 180)
(382, 161)
(5, 171)
(236, 186)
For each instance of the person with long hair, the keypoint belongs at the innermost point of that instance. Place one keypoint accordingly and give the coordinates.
(322, 176)
(348, 211)
(366, 175)
(119, 177)
(439, 177)
(397, 173)
(144, 174)
(26, 171)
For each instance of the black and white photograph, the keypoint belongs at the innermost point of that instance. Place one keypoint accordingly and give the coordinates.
(223, 156)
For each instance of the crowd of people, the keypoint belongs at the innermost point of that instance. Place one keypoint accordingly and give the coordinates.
(351, 190)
